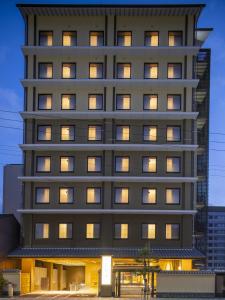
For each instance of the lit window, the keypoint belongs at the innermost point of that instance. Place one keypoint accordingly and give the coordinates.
(95, 133)
(122, 164)
(122, 133)
(123, 102)
(66, 164)
(149, 196)
(173, 196)
(173, 102)
(148, 231)
(150, 102)
(68, 102)
(151, 38)
(124, 38)
(92, 231)
(65, 231)
(44, 102)
(96, 38)
(173, 134)
(172, 231)
(66, 195)
(96, 70)
(121, 195)
(150, 133)
(42, 195)
(43, 164)
(149, 164)
(45, 70)
(44, 133)
(174, 71)
(95, 102)
(151, 71)
(124, 71)
(45, 38)
(173, 164)
(175, 38)
(69, 38)
(68, 70)
(121, 231)
(93, 195)
(41, 231)
(94, 164)
(68, 133)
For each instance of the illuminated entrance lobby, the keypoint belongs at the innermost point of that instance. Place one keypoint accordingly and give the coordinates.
(87, 276)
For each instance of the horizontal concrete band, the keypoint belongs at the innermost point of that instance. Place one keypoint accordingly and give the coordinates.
(108, 211)
(131, 83)
(128, 115)
(106, 179)
(118, 147)
(110, 50)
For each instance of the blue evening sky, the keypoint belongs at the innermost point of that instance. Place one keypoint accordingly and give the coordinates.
(11, 92)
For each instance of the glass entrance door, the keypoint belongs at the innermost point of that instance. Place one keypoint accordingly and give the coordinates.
(131, 283)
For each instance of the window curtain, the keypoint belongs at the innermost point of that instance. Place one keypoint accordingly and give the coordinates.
(150, 133)
(172, 196)
(149, 196)
(44, 164)
(42, 195)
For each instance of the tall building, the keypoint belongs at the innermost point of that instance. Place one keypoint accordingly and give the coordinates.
(216, 238)
(111, 117)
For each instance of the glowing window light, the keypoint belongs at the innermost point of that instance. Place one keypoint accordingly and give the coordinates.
(168, 266)
(126, 71)
(67, 39)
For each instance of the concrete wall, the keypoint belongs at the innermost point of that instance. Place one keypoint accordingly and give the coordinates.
(136, 92)
(107, 230)
(108, 163)
(178, 284)
(14, 277)
(109, 130)
(12, 197)
(84, 24)
(107, 196)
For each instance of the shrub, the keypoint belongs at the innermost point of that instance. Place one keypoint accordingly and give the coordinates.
(3, 282)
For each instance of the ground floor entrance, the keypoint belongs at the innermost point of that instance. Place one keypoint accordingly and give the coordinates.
(80, 276)
(92, 276)
(131, 283)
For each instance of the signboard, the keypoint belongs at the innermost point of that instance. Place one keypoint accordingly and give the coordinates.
(106, 270)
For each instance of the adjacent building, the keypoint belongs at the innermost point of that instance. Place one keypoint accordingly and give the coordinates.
(12, 190)
(216, 238)
(9, 237)
(115, 107)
